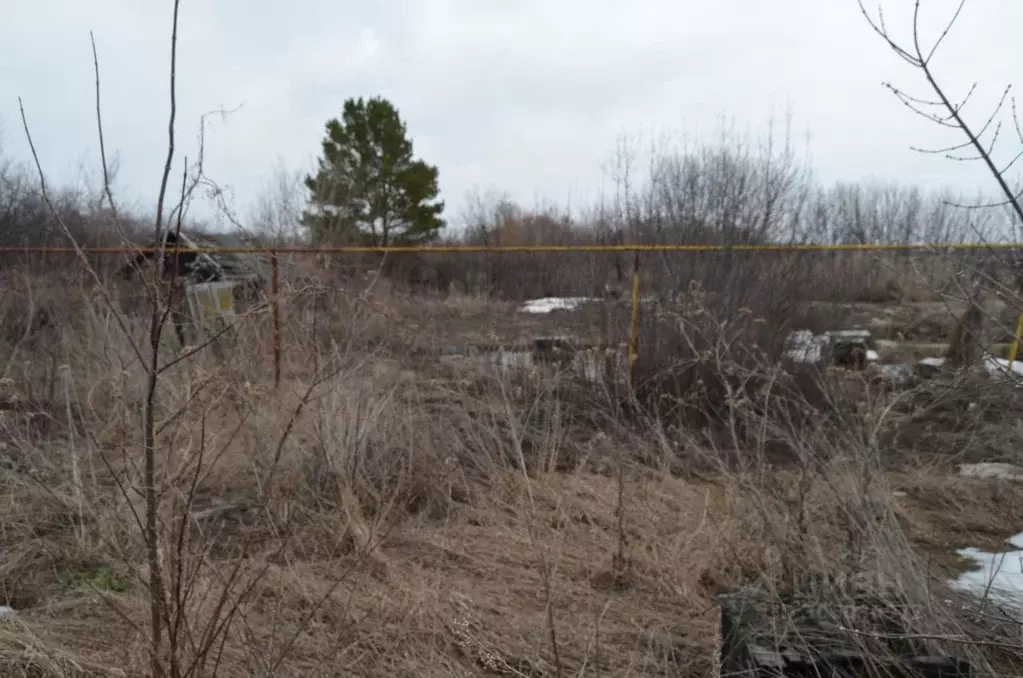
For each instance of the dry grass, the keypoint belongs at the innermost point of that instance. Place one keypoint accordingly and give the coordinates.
(380, 514)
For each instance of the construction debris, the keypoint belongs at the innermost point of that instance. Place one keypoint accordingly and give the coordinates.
(809, 633)
(847, 348)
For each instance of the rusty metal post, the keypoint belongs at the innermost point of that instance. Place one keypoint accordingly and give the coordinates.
(634, 322)
(1014, 348)
(275, 293)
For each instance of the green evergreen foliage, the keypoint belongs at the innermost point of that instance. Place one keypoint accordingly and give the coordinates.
(369, 188)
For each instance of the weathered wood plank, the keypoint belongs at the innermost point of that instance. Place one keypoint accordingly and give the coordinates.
(803, 638)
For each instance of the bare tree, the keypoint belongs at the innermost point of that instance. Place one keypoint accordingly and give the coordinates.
(979, 144)
(943, 109)
(169, 576)
(278, 211)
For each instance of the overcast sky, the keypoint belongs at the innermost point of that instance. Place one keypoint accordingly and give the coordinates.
(525, 96)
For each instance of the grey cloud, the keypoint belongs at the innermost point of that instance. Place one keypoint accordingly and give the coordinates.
(526, 96)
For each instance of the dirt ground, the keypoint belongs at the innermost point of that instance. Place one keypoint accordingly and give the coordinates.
(488, 535)
(465, 596)
(471, 321)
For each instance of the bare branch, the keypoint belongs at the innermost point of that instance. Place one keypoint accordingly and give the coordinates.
(1012, 162)
(879, 28)
(952, 116)
(944, 33)
(79, 252)
(99, 127)
(158, 601)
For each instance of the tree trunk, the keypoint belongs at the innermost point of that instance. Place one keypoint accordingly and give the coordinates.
(963, 350)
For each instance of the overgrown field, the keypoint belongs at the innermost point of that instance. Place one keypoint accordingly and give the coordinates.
(383, 512)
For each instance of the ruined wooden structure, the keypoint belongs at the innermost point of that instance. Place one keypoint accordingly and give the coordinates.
(205, 286)
(849, 348)
(553, 350)
(860, 636)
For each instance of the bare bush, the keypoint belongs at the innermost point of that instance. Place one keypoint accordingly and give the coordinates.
(979, 143)
(389, 504)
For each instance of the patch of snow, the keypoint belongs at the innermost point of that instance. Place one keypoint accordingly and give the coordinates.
(928, 367)
(549, 304)
(803, 346)
(991, 469)
(872, 355)
(1000, 367)
(997, 575)
(6, 612)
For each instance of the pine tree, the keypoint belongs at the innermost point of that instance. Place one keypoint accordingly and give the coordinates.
(369, 189)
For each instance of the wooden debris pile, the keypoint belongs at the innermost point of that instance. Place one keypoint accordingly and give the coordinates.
(807, 635)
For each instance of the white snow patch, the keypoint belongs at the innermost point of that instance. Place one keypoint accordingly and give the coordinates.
(998, 575)
(548, 304)
(932, 362)
(999, 367)
(991, 469)
(6, 612)
(803, 346)
(872, 355)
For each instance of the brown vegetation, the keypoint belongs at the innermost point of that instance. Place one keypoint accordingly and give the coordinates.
(384, 512)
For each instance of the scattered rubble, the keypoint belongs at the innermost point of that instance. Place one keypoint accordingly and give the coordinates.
(808, 632)
(849, 348)
(856, 349)
(928, 367)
